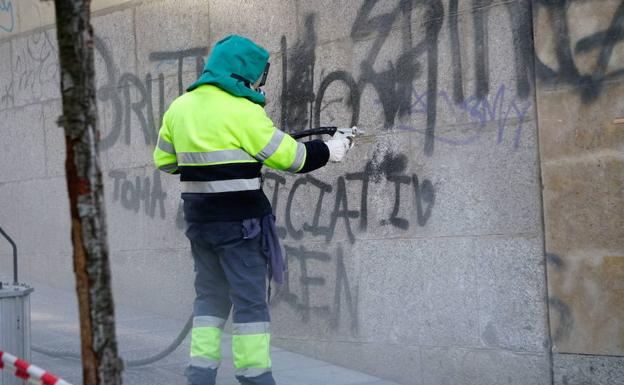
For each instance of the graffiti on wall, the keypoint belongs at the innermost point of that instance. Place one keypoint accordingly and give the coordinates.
(331, 203)
(141, 192)
(577, 319)
(129, 95)
(601, 42)
(7, 95)
(297, 292)
(7, 16)
(302, 105)
(35, 69)
(503, 109)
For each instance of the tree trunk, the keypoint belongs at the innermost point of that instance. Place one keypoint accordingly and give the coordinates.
(101, 365)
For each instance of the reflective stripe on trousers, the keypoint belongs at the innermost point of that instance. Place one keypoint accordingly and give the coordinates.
(231, 273)
(251, 348)
(206, 341)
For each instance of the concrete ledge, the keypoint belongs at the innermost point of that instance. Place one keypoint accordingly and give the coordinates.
(576, 369)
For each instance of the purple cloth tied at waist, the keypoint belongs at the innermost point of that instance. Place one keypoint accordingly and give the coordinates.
(270, 244)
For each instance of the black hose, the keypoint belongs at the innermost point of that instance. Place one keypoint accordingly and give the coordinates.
(314, 131)
(59, 353)
(172, 346)
(15, 281)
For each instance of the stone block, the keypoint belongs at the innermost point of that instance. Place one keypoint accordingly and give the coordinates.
(129, 120)
(586, 302)
(32, 14)
(584, 229)
(571, 128)
(147, 201)
(186, 27)
(574, 369)
(401, 363)
(23, 144)
(49, 268)
(419, 291)
(320, 295)
(35, 67)
(55, 147)
(583, 40)
(60, 271)
(263, 22)
(498, 195)
(115, 48)
(99, 5)
(8, 19)
(321, 90)
(584, 205)
(121, 94)
(512, 294)
(336, 20)
(487, 367)
(43, 211)
(155, 280)
(6, 77)
(501, 48)
(128, 136)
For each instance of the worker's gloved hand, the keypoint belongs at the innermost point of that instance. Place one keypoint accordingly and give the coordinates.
(338, 147)
(348, 133)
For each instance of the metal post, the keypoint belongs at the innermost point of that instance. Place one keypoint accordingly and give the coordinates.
(14, 255)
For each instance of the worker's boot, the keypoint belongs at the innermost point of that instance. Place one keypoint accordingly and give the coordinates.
(266, 378)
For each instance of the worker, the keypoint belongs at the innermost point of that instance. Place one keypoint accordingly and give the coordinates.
(217, 136)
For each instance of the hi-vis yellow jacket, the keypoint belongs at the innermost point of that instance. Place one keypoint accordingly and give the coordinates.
(218, 143)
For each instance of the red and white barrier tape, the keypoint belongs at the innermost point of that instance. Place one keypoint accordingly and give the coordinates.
(27, 372)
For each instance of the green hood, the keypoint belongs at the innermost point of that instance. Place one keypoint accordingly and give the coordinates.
(235, 55)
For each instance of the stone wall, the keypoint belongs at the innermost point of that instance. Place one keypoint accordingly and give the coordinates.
(580, 103)
(421, 258)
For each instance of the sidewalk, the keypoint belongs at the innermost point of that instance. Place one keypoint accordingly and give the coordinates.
(140, 334)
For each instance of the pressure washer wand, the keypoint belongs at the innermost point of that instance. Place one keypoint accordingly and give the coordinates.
(315, 131)
(331, 130)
